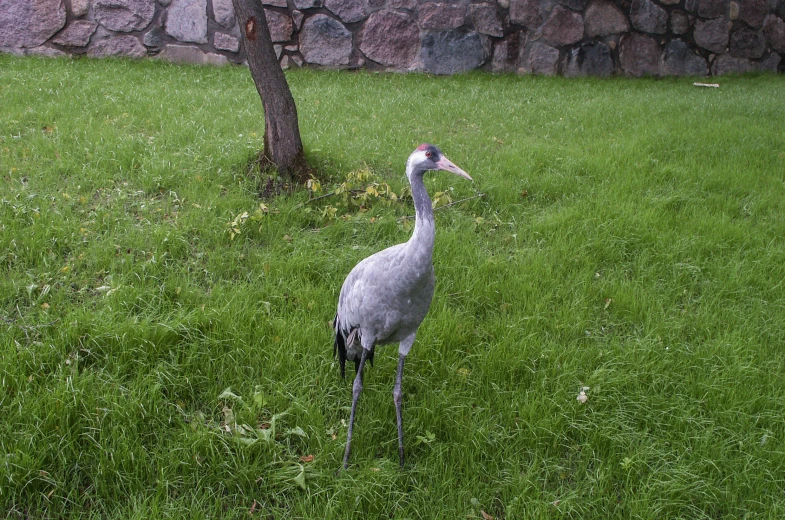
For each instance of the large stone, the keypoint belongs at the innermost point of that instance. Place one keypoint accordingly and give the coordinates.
(747, 43)
(186, 20)
(450, 52)
(188, 54)
(226, 42)
(80, 7)
(325, 41)
(713, 8)
(77, 34)
(712, 35)
(542, 60)
(297, 18)
(604, 18)
(563, 27)
(349, 11)
(730, 65)
(122, 46)
(753, 12)
(223, 12)
(390, 38)
(124, 15)
(154, 38)
(439, 17)
(409, 5)
(29, 23)
(486, 20)
(577, 5)
(648, 17)
(639, 55)
(593, 59)
(507, 52)
(307, 4)
(43, 50)
(774, 29)
(770, 64)
(280, 26)
(526, 13)
(680, 22)
(679, 60)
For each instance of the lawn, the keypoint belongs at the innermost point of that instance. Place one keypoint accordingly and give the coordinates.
(165, 344)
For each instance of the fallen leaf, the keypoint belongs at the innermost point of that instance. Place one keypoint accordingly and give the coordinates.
(253, 508)
(485, 515)
(306, 458)
(44, 306)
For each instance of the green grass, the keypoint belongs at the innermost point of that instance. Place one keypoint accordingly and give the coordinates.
(631, 240)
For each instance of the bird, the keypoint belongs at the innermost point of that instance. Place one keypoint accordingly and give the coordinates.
(386, 296)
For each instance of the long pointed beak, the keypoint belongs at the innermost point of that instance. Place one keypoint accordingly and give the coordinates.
(447, 165)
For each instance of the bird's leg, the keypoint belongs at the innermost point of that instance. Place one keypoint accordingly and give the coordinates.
(398, 398)
(356, 389)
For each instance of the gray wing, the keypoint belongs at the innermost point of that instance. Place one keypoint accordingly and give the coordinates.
(385, 297)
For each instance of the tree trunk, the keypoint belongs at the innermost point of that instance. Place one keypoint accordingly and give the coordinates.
(282, 144)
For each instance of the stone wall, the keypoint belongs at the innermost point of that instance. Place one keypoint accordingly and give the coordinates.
(569, 37)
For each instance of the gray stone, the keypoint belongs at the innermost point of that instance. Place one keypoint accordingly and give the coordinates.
(278, 50)
(297, 60)
(603, 18)
(486, 20)
(80, 7)
(285, 63)
(592, 59)
(226, 42)
(648, 17)
(194, 55)
(124, 15)
(563, 27)
(297, 18)
(577, 5)
(325, 41)
(121, 46)
(680, 22)
(526, 13)
(450, 52)
(774, 29)
(280, 25)
(390, 38)
(747, 43)
(43, 50)
(307, 4)
(679, 60)
(154, 38)
(753, 12)
(507, 52)
(712, 35)
(542, 60)
(438, 16)
(186, 20)
(349, 11)
(29, 23)
(639, 55)
(770, 64)
(409, 5)
(733, 11)
(275, 3)
(712, 8)
(77, 34)
(223, 12)
(165, 3)
(730, 65)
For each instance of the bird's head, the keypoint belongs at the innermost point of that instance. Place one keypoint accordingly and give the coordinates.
(428, 157)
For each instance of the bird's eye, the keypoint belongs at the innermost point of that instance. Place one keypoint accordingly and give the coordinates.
(427, 154)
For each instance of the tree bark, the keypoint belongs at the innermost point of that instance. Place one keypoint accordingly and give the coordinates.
(282, 144)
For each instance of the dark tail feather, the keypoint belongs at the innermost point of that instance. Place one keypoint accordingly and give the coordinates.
(369, 358)
(339, 347)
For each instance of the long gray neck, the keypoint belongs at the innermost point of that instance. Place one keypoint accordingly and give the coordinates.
(424, 224)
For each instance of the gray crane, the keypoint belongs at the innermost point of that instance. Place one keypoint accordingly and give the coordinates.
(386, 296)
